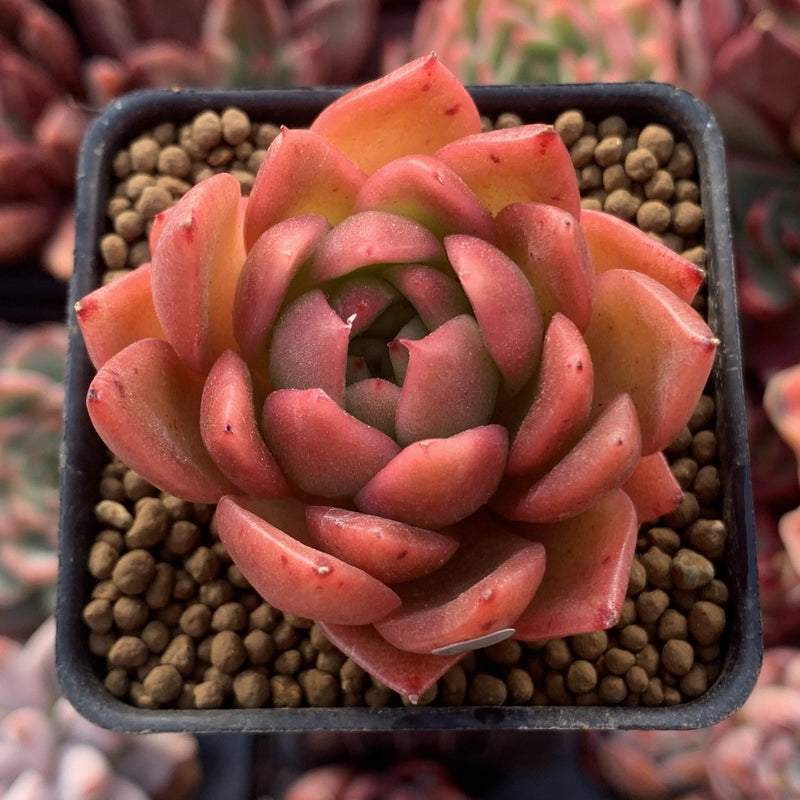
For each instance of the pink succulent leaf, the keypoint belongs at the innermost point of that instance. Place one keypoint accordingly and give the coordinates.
(548, 245)
(782, 404)
(322, 449)
(589, 558)
(528, 163)
(601, 461)
(230, 431)
(505, 307)
(399, 356)
(558, 412)
(301, 174)
(309, 347)
(423, 188)
(374, 401)
(272, 263)
(436, 297)
(195, 268)
(118, 314)
(438, 482)
(415, 109)
(481, 590)
(648, 343)
(361, 300)
(615, 244)
(450, 385)
(290, 573)
(24, 226)
(653, 488)
(409, 674)
(318, 782)
(373, 237)
(145, 405)
(390, 551)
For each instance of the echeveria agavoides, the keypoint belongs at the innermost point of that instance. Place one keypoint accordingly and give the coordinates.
(415, 377)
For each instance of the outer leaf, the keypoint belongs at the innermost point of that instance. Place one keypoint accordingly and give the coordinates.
(294, 576)
(301, 174)
(145, 405)
(415, 109)
(646, 342)
(588, 565)
(652, 488)
(782, 404)
(529, 163)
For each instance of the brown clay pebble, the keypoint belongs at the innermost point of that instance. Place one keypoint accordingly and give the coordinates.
(706, 622)
(589, 645)
(452, 686)
(690, 570)
(134, 571)
(657, 565)
(651, 604)
(109, 512)
(286, 692)
(209, 694)
(486, 690)
(195, 620)
(581, 676)
(251, 688)
(708, 536)
(128, 652)
(163, 683)
(520, 686)
(227, 651)
(612, 689)
(150, 523)
(636, 679)
(180, 652)
(633, 637)
(159, 591)
(202, 564)
(618, 661)
(130, 613)
(677, 656)
(321, 689)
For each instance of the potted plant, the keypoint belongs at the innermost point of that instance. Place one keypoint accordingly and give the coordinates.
(496, 457)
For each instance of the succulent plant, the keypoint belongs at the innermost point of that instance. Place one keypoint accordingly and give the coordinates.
(427, 391)
(50, 752)
(518, 41)
(31, 403)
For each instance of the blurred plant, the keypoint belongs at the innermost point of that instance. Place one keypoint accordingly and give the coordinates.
(31, 402)
(551, 41)
(49, 752)
(52, 79)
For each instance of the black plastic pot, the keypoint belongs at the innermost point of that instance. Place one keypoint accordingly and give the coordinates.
(84, 456)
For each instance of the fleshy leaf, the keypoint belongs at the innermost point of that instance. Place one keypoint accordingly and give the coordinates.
(408, 674)
(271, 264)
(230, 431)
(588, 565)
(438, 482)
(561, 401)
(145, 405)
(373, 237)
(483, 588)
(423, 188)
(291, 574)
(389, 550)
(646, 342)
(549, 247)
(415, 109)
(782, 404)
(529, 163)
(789, 532)
(616, 244)
(373, 401)
(118, 314)
(652, 488)
(360, 300)
(301, 174)
(601, 461)
(195, 268)
(321, 448)
(450, 384)
(505, 306)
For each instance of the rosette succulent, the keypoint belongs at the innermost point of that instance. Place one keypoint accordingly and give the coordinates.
(427, 392)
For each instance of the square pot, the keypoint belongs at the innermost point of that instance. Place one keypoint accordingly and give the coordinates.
(85, 456)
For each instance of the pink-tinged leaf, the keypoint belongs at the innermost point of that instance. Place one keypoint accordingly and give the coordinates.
(789, 530)
(482, 589)
(450, 384)
(408, 674)
(373, 237)
(646, 342)
(423, 188)
(652, 488)
(309, 347)
(505, 306)
(438, 482)
(118, 314)
(321, 448)
(292, 575)
(413, 330)
(616, 244)
(601, 461)
(195, 268)
(230, 431)
(436, 297)
(415, 109)
(588, 565)
(271, 265)
(549, 247)
(526, 164)
(389, 550)
(373, 401)
(361, 300)
(782, 404)
(145, 405)
(330, 780)
(301, 174)
(561, 401)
